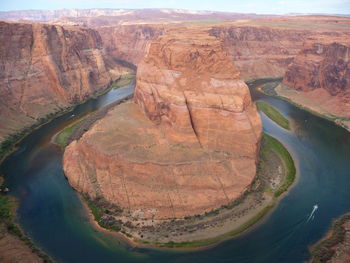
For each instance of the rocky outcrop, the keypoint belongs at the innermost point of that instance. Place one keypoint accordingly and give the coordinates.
(335, 246)
(187, 144)
(46, 68)
(129, 42)
(321, 74)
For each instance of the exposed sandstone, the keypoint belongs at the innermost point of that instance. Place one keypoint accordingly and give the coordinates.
(129, 42)
(321, 74)
(261, 52)
(186, 145)
(46, 68)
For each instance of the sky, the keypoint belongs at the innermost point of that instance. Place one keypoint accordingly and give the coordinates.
(240, 6)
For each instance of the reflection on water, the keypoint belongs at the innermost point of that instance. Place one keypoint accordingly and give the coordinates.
(52, 214)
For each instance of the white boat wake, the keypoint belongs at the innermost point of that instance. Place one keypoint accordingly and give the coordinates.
(312, 216)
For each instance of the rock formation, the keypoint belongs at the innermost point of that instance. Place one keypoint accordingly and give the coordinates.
(46, 68)
(188, 143)
(321, 74)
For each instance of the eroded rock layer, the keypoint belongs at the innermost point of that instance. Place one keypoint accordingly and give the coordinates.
(321, 74)
(186, 145)
(129, 42)
(45, 68)
(261, 52)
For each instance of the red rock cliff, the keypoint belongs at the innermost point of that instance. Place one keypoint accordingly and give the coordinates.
(129, 42)
(261, 52)
(188, 145)
(45, 68)
(321, 73)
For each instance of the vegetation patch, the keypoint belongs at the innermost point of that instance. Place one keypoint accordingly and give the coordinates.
(275, 145)
(61, 138)
(103, 211)
(124, 80)
(273, 114)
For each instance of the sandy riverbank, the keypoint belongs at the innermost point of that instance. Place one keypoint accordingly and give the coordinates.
(317, 107)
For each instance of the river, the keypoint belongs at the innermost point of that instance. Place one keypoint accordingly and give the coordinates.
(51, 213)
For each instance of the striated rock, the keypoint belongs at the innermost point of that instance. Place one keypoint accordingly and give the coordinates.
(261, 52)
(321, 74)
(129, 42)
(186, 145)
(46, 68)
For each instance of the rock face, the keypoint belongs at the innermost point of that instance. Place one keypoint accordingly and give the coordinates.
(46, 68)
(186, 145)
(261, 52)
(321, 73)
(129, 42)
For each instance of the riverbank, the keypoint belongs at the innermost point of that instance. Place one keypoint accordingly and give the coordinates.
(276, 173)
(335, 246)
(75, 130)
(14, 245)
(273, 114)
(8, 146)
(303, 102)
(79, 127)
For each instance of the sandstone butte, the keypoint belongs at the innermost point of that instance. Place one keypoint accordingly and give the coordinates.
(46, 68)
(187, 144)
(321, 75)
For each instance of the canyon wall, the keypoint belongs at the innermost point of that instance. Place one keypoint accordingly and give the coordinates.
(258, 52)
(46, 68)
(188, 143)
(261, 52)
(129, 42)
(320, 78)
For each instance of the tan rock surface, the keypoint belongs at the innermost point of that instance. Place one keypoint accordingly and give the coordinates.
(188, 145)
(45, 68)
(14, 250)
